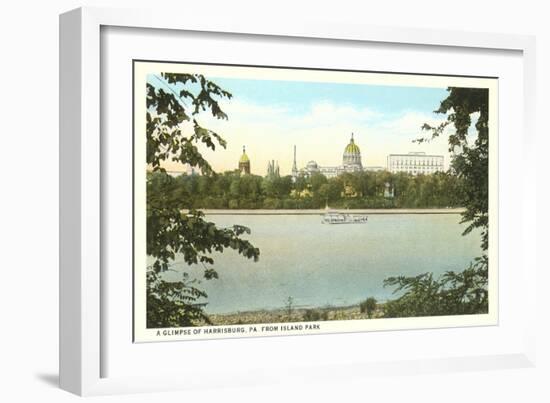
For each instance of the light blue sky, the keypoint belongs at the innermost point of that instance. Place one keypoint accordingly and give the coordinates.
(271, 116)
(298, 96)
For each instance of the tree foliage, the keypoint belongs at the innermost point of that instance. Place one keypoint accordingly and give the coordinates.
(471, 156)
(166, 111)
(232, 190)
(453, 293)
(464, 292)
(170, 229)
(173, 303)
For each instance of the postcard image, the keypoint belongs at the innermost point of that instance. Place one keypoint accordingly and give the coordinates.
(276, 201)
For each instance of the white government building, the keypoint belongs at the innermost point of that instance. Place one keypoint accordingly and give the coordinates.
(415, 163)
(351, 162)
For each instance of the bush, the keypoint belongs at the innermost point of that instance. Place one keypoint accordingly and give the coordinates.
(233, 204)
(312, 315)
(368, 306)
(462, 293)
(271, 203)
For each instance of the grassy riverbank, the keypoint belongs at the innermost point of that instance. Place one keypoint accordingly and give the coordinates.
(296, 315)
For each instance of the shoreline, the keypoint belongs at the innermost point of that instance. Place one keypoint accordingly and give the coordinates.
(298, 314)
(322, 211)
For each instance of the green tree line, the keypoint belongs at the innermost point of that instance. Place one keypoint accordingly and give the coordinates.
(232, 190)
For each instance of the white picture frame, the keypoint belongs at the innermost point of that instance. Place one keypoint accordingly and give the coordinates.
(83, 307)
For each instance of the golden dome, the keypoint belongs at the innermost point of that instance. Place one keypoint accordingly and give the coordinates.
(244, 157)
(352, 148)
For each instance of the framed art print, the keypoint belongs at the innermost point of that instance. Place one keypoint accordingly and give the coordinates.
(242, 201)
(284, 201)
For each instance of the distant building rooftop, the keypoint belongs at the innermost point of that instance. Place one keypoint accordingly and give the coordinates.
(415, 153)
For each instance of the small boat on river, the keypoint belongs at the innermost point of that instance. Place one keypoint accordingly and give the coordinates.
(334, 217)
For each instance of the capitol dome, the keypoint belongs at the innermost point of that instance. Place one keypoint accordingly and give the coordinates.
(352, 157)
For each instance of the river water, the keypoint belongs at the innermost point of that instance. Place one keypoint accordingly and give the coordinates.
(319, 264)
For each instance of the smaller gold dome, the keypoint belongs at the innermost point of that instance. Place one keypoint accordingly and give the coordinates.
(244, 157)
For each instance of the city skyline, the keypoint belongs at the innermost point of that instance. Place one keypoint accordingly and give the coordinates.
(270, 117)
